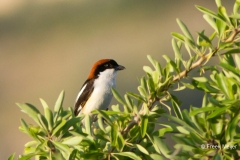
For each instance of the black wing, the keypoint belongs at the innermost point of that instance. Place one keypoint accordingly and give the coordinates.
(82, 99)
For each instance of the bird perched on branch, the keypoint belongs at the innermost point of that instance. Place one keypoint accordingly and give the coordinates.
(96, 91)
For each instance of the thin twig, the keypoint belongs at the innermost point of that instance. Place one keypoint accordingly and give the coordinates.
(233, 35)
(183, 74)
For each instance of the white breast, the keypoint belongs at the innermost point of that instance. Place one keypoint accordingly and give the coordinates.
(102, 94)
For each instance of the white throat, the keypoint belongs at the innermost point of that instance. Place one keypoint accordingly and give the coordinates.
(102, 94)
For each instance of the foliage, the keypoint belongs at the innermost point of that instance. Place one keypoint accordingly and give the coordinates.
(210, 131)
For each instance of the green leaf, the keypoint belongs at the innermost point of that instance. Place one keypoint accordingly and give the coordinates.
(188, 120)
(237, 59)
(11, 157)
(231, 129)
(180, 88)
(120, 142)
(128, 154)
(48, 114)
(62, 147)
(159, 68)
(162, 146)
(151, 60)
(155, 77)
(228, 58)
(188, 85)
(223, 13)
(151, 86)
(216, 125)
(182, 130)
(71, 122)
(157, 157)
(209, 12)
(221, 28)
(44, 104)
(176, 50)
(204, 86)
(49, 117)
(43, 122)
(223, 85)
(73, 155)
(31, 144)
(100, 124)
(176, 108)
(141, 148)
(59, 102)
(31, 111)
(147, 69)
(205, 109)
(230, 68)
(87, 121)
(217, 112)
(136, 96)
(232, 51)
(204, 39)
(114, 134)
(105, 116)
(218, 2)
(236, 7)
(189, 63)
(92, 156)
(58, 105)
(142, 91)
(185, 30)
(170, 128)
(200, 79)
(210, 21)
(181, 122)
(72, 141)
(117, 96)
(144, 125)
(178, 36)
(58, 128)
(129, 103)
(143, 83)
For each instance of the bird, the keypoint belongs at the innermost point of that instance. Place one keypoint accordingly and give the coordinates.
(96, 90)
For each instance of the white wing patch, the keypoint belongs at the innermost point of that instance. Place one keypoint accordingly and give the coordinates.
(79, 94)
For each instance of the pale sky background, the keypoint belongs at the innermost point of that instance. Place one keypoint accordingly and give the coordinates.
(48, 46)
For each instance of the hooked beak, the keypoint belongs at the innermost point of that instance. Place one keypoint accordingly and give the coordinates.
(119, 67)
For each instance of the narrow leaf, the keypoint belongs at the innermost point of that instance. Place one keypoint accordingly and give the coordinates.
(105, 116)
(185, 30)
(57, 128)
(59, 102)
(72, 141)
(128, 154)
(30, 110)
(114, 134)
(210, 21)
(162, 146)
(144, 125)
(61, 147)
(141, 148)
(209, 12)
(117, 96)
(11, 157)
(205, 109)
(87, 121)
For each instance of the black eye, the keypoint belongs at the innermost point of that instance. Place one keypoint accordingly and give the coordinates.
(106, 65)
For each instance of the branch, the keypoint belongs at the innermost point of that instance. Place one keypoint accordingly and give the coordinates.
(233, 35)
(183, 74)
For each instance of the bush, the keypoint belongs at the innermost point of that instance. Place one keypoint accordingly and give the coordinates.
(210, 131)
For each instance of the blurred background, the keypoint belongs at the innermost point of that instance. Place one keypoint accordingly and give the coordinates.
(49, 46)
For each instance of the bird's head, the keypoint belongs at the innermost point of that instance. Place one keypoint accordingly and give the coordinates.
(104, 65)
